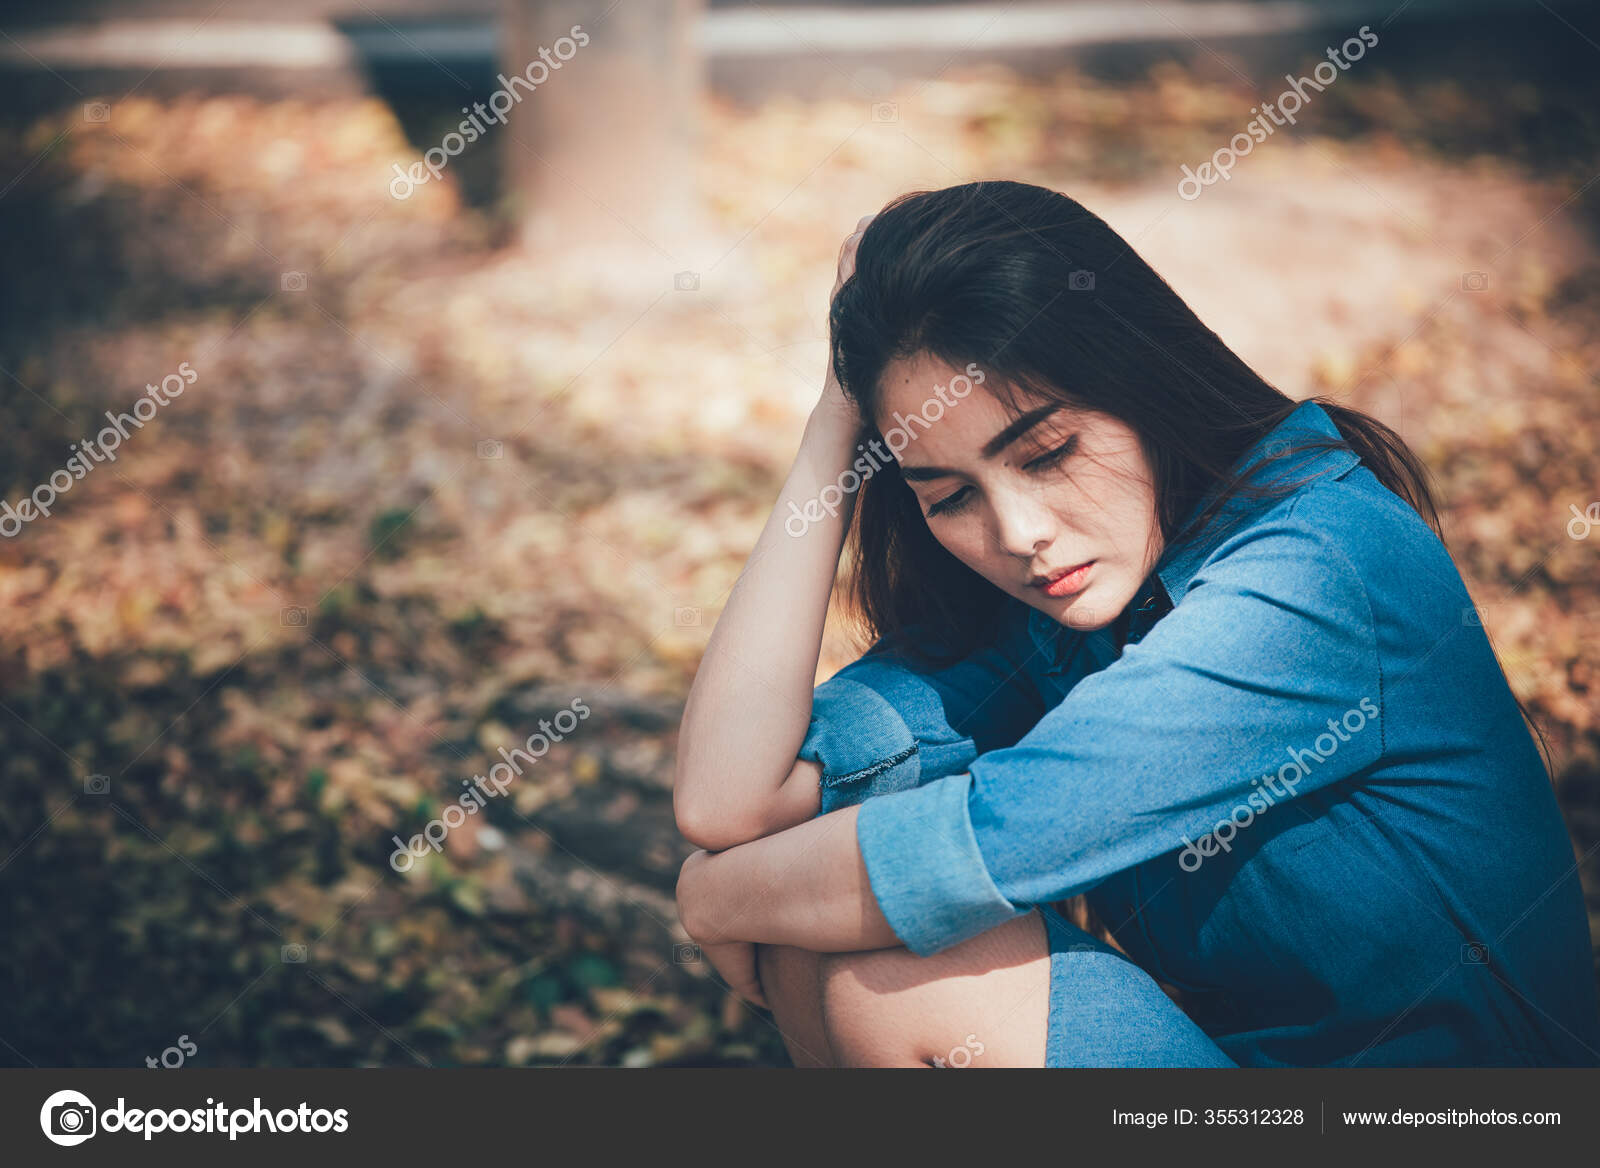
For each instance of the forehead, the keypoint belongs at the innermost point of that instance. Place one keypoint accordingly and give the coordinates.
(955, 433)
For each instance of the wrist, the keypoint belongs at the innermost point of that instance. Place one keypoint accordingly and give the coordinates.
(830, 439)
(837, 424)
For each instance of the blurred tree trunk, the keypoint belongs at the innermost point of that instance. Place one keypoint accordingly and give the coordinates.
(601, 154)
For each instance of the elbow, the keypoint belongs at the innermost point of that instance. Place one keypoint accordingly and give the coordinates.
(712, 826)
(689, 810)
(693, 824)
(709, 828)
(717, 819)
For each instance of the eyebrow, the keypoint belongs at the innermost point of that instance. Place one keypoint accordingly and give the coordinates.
(994, 446)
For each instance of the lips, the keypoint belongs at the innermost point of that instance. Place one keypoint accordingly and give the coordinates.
(1065, 582)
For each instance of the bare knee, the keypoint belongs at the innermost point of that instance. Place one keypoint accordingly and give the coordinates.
(862, 1005)
(982, 1002)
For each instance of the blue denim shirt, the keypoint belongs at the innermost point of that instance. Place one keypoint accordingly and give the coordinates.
(1302, 792)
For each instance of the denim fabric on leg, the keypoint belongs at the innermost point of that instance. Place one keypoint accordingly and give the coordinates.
(1107, 1012)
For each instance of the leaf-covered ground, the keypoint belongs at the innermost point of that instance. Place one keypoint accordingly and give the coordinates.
(432, 496)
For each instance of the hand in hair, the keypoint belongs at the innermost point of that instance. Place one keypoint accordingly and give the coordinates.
(832, 395)
(847, 254)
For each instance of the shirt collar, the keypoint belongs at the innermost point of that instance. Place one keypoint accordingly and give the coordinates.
(1179, 563)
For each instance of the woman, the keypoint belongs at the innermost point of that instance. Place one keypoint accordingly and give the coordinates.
(1147, 631)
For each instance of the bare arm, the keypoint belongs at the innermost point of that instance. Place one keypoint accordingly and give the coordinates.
(806, 886)
(737, 776)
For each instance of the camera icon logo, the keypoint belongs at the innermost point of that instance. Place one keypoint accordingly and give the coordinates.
(96, 111)
(97, 785)
(686, 281)
(293, 282)
(685, 616)
(1474, 281)
(687, 953)
(294, 954)
(68, 1118)
(1474, 953)
(1081, 280)
(885, 111)
(1084, 618)
(491, 448)
(293, 616)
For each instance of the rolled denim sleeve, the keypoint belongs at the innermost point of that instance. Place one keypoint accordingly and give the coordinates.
(863, 742)
(1238, 688)
(927, 872)
(882, 725)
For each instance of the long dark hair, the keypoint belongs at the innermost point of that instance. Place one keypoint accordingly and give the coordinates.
(1043, 296)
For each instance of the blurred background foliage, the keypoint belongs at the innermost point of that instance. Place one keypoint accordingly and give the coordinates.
(432, 494)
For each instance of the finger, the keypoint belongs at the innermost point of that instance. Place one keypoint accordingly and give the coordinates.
(747, 982)
(758, 995)
(751, 992)
(847, 253)
(750, 980)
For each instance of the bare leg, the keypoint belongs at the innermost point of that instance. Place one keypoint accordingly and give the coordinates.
(790, 981)
(984, 1002)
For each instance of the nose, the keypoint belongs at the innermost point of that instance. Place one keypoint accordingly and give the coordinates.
(1023, 524)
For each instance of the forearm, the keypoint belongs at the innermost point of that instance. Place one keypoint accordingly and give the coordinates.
(750, 705)
(806, 886)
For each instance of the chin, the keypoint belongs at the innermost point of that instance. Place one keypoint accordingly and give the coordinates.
(1096, 607)
(1084, 617)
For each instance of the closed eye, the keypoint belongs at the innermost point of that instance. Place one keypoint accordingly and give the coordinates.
(957, 500)
(1050, 457)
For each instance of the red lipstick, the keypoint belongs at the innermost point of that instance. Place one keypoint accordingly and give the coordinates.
(1065, 582)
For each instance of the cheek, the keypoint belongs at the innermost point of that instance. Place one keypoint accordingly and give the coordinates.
(1118, 528)
(963, 538)
(1142, 533)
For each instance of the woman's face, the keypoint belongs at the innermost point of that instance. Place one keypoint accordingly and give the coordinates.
(1022, 499)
